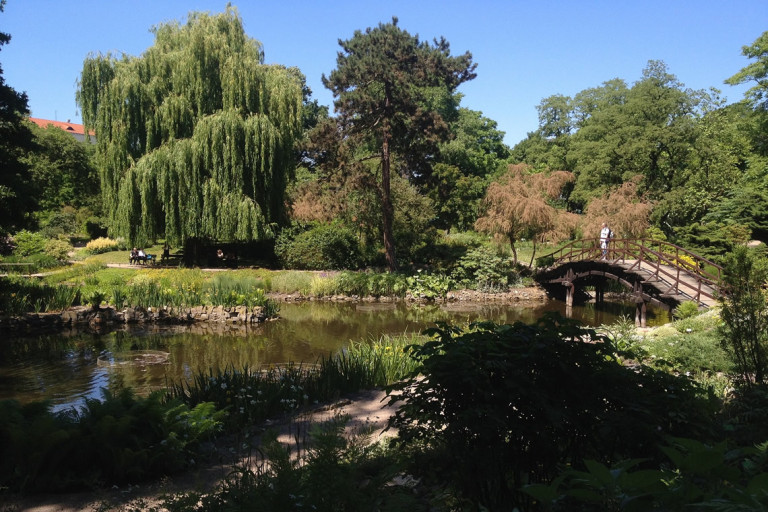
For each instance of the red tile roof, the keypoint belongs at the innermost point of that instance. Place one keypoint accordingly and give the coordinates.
(67, 127)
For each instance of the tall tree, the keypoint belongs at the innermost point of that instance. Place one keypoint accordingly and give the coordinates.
(555, 116)
(16, 199)
(755, 72)
(757, 96)
(62, 170)
(475, 153)
(195, 137)
(649, 130)
(625, 212)
(382, 86)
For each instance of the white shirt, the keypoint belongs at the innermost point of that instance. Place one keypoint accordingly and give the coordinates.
(605, 233)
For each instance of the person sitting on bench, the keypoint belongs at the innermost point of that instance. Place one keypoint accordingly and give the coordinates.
(134, 258)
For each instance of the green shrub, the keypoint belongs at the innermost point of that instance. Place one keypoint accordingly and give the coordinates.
(58, 249)
(745, 313)
(429, 286)
(690, 352)
(28, 243)
(746, 415)
(686, 309)
(483, 269)
(61, 222)
(695, 476)
(372, 284)
(322, 247)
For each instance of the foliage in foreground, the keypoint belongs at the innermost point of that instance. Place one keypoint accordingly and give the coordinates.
(331, 473)
(695, 476)
(745, 314)
(502, 406)
(120, 439)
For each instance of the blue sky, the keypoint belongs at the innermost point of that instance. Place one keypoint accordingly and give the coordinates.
(525, 50)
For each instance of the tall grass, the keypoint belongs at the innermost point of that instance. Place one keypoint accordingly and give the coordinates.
(21, 295)
(252, 395)
(370, 364)
(292, 281)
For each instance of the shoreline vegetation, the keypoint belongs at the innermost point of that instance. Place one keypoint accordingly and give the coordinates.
(106, 316)
(96, 294)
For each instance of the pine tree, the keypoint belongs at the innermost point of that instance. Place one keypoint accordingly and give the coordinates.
(382, 85)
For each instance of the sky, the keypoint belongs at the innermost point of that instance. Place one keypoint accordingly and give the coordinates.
(525, 50)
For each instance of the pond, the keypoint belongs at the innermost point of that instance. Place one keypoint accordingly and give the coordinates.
(66, 368)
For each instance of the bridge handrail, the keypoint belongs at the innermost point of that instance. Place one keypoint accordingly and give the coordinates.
(653, 253)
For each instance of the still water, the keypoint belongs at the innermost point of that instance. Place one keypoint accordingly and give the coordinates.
(67, 368)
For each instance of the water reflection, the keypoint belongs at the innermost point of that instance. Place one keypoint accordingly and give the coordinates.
(64, 368)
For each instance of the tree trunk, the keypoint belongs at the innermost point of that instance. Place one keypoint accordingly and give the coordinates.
(534, 251)
(387, 211)
(514, 251)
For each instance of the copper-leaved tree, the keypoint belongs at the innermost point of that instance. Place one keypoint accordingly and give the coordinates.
(195, 136)
(382, 86)
(623, 209)
(520, 205)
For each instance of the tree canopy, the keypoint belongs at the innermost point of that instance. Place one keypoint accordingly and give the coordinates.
(195, 137)
(388, 87)
(62, 170)
(520, 204)
(16, 197)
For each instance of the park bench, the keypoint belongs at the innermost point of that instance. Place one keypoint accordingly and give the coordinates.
(141, 260)
(171, 259)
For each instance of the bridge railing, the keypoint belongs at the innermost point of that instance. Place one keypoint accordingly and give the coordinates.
(663, 260)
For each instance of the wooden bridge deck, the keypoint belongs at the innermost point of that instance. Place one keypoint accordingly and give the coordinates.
(656, 272)
(684, 287)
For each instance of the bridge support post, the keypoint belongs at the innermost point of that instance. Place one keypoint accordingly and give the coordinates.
(599, 293)
(569, 293)
(640, 314)
(640, 306)
(570, 288)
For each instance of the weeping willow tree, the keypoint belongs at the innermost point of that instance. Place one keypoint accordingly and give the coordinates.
(195, 136)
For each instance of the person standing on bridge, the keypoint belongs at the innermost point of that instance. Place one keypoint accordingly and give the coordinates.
(605, 237)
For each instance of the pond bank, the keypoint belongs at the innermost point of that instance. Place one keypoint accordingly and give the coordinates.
(527, 296)
(108, 316)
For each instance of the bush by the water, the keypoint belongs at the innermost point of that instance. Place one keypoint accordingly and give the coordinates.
(484, 268)
(321, 247)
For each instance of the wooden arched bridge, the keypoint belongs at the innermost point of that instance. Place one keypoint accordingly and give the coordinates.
(654, 272)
